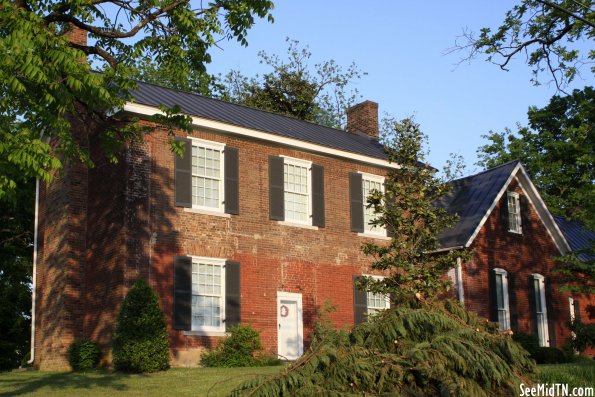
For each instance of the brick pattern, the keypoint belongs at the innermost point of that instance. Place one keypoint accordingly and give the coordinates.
(363, 117)
(77, 35)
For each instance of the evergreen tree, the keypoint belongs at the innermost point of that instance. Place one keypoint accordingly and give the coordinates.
(141, 343)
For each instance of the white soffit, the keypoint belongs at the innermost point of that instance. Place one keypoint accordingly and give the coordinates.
(265, 136)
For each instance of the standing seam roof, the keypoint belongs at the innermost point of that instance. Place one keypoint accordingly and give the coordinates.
(247, 117)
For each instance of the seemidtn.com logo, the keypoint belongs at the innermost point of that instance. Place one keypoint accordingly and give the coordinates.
(555, 389)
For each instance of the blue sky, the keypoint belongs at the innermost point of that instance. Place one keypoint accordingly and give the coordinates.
(402, 45)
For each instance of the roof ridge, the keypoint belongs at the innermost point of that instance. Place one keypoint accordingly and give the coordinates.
(485, 171)
(244, 106)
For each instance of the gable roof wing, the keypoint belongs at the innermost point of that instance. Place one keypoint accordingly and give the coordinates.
(473, 199)
(256, 119)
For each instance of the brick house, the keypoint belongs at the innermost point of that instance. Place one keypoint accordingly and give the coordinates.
(514, 240)
(260, 223)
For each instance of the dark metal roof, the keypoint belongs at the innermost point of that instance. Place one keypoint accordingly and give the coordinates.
(577, 235)
(247, 117)
(470, 198)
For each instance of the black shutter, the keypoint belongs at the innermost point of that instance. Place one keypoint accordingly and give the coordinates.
(232, 294)
(504, 211)
(551, 313)
(577, 310)
(360, 302)
(183, 176)
(390, 203)
(512, 302)
(276, 189)
(232, 181)
(317, 195)
(525, 223)
(493, 298)
(532, 305)
(356, 202)
(182, 293)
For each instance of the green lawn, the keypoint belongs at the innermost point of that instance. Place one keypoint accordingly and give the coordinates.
(579, 374)
(194, 382)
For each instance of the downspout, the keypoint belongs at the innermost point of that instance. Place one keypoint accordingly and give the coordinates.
(459, 274)
(34, 275)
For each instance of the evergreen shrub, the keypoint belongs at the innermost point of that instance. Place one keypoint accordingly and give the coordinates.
(414, 349)
(141, 343)
(242, 348)
(83, 355)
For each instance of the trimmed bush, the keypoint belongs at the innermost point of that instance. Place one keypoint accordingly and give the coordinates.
(529, 342)
(83, 355)
(242, 348)
(550, 355)
(141, 343)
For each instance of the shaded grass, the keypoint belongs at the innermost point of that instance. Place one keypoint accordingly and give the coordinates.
(578, 374)
(213, 382)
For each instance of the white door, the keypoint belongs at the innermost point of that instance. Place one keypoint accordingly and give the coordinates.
(289, 325)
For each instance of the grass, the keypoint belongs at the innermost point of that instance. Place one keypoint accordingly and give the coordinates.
(211, 382)
(577, 374)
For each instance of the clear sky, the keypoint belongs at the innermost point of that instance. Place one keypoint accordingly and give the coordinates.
(402, 45)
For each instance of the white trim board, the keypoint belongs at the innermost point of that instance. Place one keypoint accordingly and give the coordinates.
(535, 200)
(265, 136)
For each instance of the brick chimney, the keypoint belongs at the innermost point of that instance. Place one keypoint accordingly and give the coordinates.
(363, 117)
(76, 35)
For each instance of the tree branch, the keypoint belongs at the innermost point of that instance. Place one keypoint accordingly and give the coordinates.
(567, 12)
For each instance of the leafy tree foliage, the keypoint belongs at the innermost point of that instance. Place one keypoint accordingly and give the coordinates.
(408, 208)
(421, 346)
(141, 343)
(293, 88)
(45, 83)
(558, 151)
(550, 33)
(16, 236)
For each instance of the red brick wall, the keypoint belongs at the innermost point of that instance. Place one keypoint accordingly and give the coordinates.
(134, 231)
(521, 255)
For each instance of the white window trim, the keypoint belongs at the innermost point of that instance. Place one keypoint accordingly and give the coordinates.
(308, 165)
(386, 298)
(544, 339)
(380, 232)
(518, 212)
(221, 148)
(505, 299)
(210, 330)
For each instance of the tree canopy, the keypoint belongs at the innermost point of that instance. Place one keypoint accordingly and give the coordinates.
(558, 152)
(46, 84)
(551, 34)
(294, 88)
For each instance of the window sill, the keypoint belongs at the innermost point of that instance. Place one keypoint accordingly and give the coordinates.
(302, 225)
(515, 232)
(376, 236)
(207, 212)
(205, 333)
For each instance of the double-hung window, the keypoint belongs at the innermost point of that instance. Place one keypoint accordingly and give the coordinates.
(377, 302)
(371, 183)
(366, 303)
(207, 175)
(502, 300)
(541, 310)
(297, 191)
(208, 294)
(514, 212)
